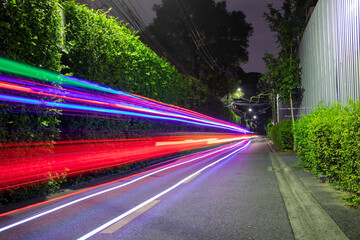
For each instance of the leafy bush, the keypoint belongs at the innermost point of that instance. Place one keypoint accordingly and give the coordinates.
(30, 32)
(328, 142)
(101, 49)
(269, 126)
(281, 134)
(93, 46)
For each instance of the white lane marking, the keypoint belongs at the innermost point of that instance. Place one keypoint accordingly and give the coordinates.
(109, 223)
(108, 190)
(116, 226)
(192, 178)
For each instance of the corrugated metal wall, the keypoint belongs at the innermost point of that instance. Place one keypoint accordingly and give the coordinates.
(329, 52)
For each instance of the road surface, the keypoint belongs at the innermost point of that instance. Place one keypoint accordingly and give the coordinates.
(231, 192)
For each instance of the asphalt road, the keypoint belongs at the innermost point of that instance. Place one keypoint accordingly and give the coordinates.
(228, 194)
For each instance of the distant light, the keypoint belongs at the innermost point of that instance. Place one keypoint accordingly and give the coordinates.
(254, 117)
(239, 89)
(250, 109)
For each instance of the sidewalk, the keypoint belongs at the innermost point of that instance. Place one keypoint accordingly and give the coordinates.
(328, 198)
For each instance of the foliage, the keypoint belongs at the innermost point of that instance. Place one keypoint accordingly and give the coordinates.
(103, 50)
(288, 23)
(283, 74)
(282, 135)
(30, 32)
(328, 142)
(282, 77)
(224, 33)
(18, 194)
(95, 47)
(269, 126)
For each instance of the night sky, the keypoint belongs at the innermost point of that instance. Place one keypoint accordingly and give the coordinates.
(262, 39)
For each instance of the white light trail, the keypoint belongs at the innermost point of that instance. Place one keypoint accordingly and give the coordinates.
(109, 223)
(113, 188)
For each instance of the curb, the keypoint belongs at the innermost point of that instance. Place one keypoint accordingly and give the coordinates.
(307, 218)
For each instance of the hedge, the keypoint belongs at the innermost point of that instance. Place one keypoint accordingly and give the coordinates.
(104, 50)
(281, 134)
(30, 32)
(328, 142)
(71, 39)
(101, 49)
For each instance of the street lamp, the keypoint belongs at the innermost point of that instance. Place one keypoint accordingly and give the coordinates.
(254, 117)
(239, 89)
(250, 109)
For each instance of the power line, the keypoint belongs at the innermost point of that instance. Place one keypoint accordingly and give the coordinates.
(148, 17)
(199, 40)
(138, 24)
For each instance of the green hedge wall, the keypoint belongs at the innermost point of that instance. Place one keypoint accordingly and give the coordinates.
(328, 142)
(30, 32)
(103, 50)
(282, 135)
(69, 38)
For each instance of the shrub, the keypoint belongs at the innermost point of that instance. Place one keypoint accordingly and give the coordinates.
(101, 49)
(95, 47)
(281, 134)
(269, 126)
(30, 32)
(328, 142)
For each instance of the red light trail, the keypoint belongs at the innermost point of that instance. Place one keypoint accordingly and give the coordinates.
(234, 148)
(37, 162)
(26, 163)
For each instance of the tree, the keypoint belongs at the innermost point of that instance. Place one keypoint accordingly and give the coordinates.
(283, 72)
(282, 77)
(203, 37)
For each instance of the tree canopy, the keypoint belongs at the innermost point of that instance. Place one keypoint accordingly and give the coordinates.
(283, 74)
(203, 37)
(287, 23)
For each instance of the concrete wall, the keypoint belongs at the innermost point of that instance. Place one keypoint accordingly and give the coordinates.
(329, 52)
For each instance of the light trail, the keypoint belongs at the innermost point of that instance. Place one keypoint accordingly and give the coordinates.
(207, 153)
(87, 97)
(109, 223)
(40, 90)
(38, 162)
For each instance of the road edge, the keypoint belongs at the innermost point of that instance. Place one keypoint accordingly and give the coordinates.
(307, 218)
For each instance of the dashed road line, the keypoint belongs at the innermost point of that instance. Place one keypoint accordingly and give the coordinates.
(116, 226)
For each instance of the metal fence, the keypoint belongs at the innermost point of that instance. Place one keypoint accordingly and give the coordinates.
(329, 52)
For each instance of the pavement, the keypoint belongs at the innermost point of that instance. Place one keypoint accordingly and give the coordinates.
(319, 210)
